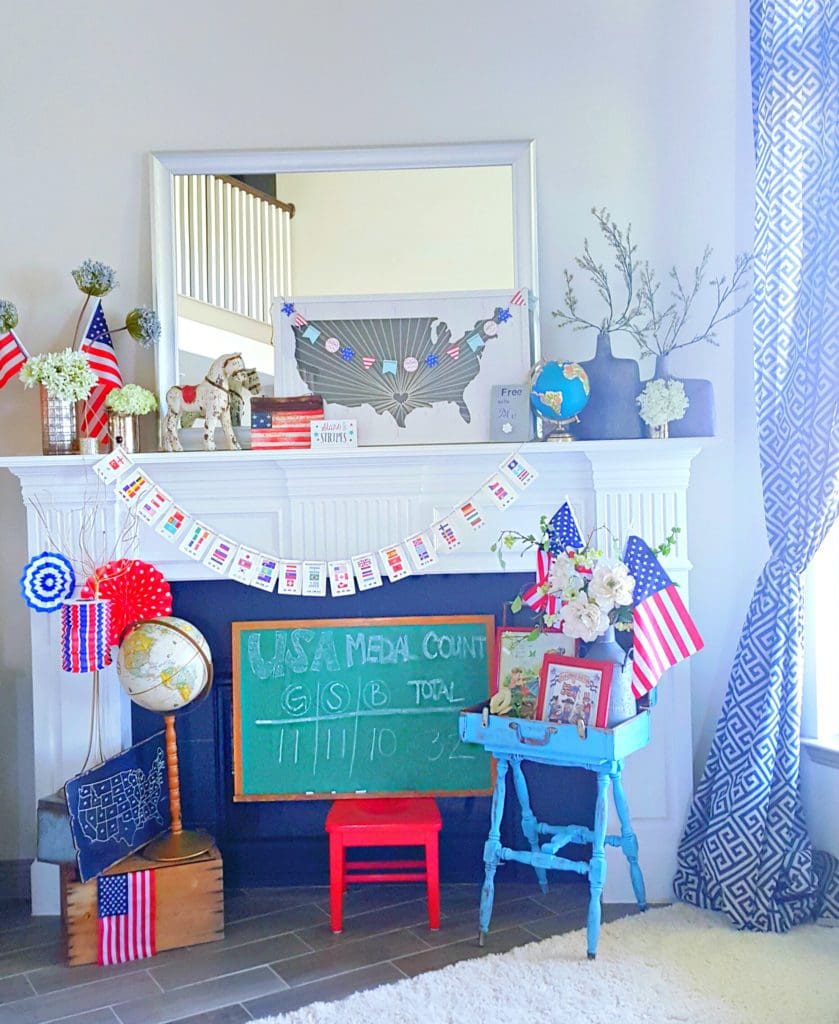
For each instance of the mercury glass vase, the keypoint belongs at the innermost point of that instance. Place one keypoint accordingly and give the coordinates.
(59, 424)
(621, 699)
(661, 432)
(124, 431)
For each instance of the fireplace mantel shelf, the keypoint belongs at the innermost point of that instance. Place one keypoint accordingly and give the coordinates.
(332, 505)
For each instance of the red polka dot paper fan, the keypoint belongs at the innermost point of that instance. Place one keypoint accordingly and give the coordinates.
(136, 590)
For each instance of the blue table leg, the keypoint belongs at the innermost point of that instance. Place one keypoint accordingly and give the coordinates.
(629, 841)
(492, 848)
(529, 825)
(597, 864)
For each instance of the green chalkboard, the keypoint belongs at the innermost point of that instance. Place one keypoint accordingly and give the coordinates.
(338, 707)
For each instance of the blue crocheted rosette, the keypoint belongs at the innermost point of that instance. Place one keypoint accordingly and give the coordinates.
(47, 582)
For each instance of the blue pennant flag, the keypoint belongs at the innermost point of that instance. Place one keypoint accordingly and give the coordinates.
(563, 532)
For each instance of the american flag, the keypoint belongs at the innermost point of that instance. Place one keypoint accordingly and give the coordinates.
(563, 532)
(126, 917)
(664, 632)
(99, 349)
(12, 357)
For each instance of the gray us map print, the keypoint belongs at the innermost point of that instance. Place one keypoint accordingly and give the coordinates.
(413, 362)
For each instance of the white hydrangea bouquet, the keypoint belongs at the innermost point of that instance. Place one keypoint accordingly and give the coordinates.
(662, 401)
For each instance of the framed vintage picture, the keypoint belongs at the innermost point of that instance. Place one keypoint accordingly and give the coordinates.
(571, 689)
(519, 665)
(411, 369)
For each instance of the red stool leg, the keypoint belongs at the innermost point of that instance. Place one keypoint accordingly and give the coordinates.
(336, 882)
(432, 874)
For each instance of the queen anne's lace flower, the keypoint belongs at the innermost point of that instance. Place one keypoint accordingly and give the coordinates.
(8, 316)
(94, 277)
(143, 325)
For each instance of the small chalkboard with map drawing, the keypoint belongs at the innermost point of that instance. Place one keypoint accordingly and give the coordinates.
(411, 369)
(118, 806)
(341, 707)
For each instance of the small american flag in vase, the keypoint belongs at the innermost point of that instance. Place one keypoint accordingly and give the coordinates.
(125, 907)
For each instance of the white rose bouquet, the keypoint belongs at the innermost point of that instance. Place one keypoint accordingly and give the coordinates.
(581, 591)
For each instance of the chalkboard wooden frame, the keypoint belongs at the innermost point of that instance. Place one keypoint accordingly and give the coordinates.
(237, 628)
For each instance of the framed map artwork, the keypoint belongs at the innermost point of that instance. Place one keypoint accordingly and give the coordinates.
(411, 369)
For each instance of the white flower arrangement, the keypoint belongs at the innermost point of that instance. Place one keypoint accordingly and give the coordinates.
(131, 400)
(64, 374)
(662, 401)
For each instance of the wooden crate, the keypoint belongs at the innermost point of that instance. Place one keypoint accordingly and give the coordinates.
(189, 905)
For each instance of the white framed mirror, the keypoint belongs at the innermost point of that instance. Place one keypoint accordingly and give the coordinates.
(233, 230)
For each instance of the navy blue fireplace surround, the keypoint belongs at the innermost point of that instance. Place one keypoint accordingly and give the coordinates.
(284, 843)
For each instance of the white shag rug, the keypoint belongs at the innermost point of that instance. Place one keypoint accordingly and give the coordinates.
(674, 964)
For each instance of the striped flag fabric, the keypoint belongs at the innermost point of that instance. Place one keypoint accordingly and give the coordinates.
(518, 299)
(536, 596)
(454, 351)
(85, 627)
(664, 632)
(13, 356)
(99, 349)
(125, 907)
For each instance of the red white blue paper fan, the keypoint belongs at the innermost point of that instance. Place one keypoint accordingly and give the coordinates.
(136, 590)
(47, 582)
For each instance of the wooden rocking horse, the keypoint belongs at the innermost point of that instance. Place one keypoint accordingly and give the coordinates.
(210, 399)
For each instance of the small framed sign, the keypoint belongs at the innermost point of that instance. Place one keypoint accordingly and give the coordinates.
(334, 434)
(509, 414)
(573, 690)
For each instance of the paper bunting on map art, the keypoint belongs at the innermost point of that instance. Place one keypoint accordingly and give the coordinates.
(47, 581)
(136, 590)
(85, 635)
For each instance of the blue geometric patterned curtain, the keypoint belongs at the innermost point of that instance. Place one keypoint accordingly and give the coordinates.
(745, 850)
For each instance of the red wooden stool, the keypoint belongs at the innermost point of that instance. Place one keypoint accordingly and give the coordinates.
(390, 821)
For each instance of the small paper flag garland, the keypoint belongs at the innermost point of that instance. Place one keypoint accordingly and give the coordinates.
(224, 556)
(47, 581)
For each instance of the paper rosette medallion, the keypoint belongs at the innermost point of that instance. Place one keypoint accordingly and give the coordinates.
(85, 626)
(47, 581)
(136, 590)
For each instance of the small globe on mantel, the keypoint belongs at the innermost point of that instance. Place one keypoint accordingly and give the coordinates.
(163, 664)
(559, 392)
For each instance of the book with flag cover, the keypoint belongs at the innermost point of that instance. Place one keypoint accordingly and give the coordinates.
(283, 423)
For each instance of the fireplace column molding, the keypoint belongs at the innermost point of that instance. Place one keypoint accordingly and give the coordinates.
(330, 505)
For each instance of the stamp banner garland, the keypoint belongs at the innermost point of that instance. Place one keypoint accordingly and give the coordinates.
(300, 577)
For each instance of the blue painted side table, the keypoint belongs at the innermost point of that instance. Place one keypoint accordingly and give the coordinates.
(602, 751)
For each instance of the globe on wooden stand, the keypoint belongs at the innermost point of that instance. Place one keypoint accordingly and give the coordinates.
(164, 665)
(558, 394)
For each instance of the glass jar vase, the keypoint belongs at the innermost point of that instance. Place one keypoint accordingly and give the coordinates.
(124, 431)
(60, 424)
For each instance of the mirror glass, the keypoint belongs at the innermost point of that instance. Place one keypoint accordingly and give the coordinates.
(234, 231)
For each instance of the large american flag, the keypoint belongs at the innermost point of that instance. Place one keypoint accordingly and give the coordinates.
(126, 917)
(12, 357)
(99, 349)
(664, 632)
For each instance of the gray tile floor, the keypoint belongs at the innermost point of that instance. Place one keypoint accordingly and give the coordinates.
(277, 954)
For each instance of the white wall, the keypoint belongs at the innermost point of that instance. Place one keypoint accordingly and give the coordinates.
(643, 107)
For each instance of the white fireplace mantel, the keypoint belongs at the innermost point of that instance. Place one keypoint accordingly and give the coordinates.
(332, 505)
